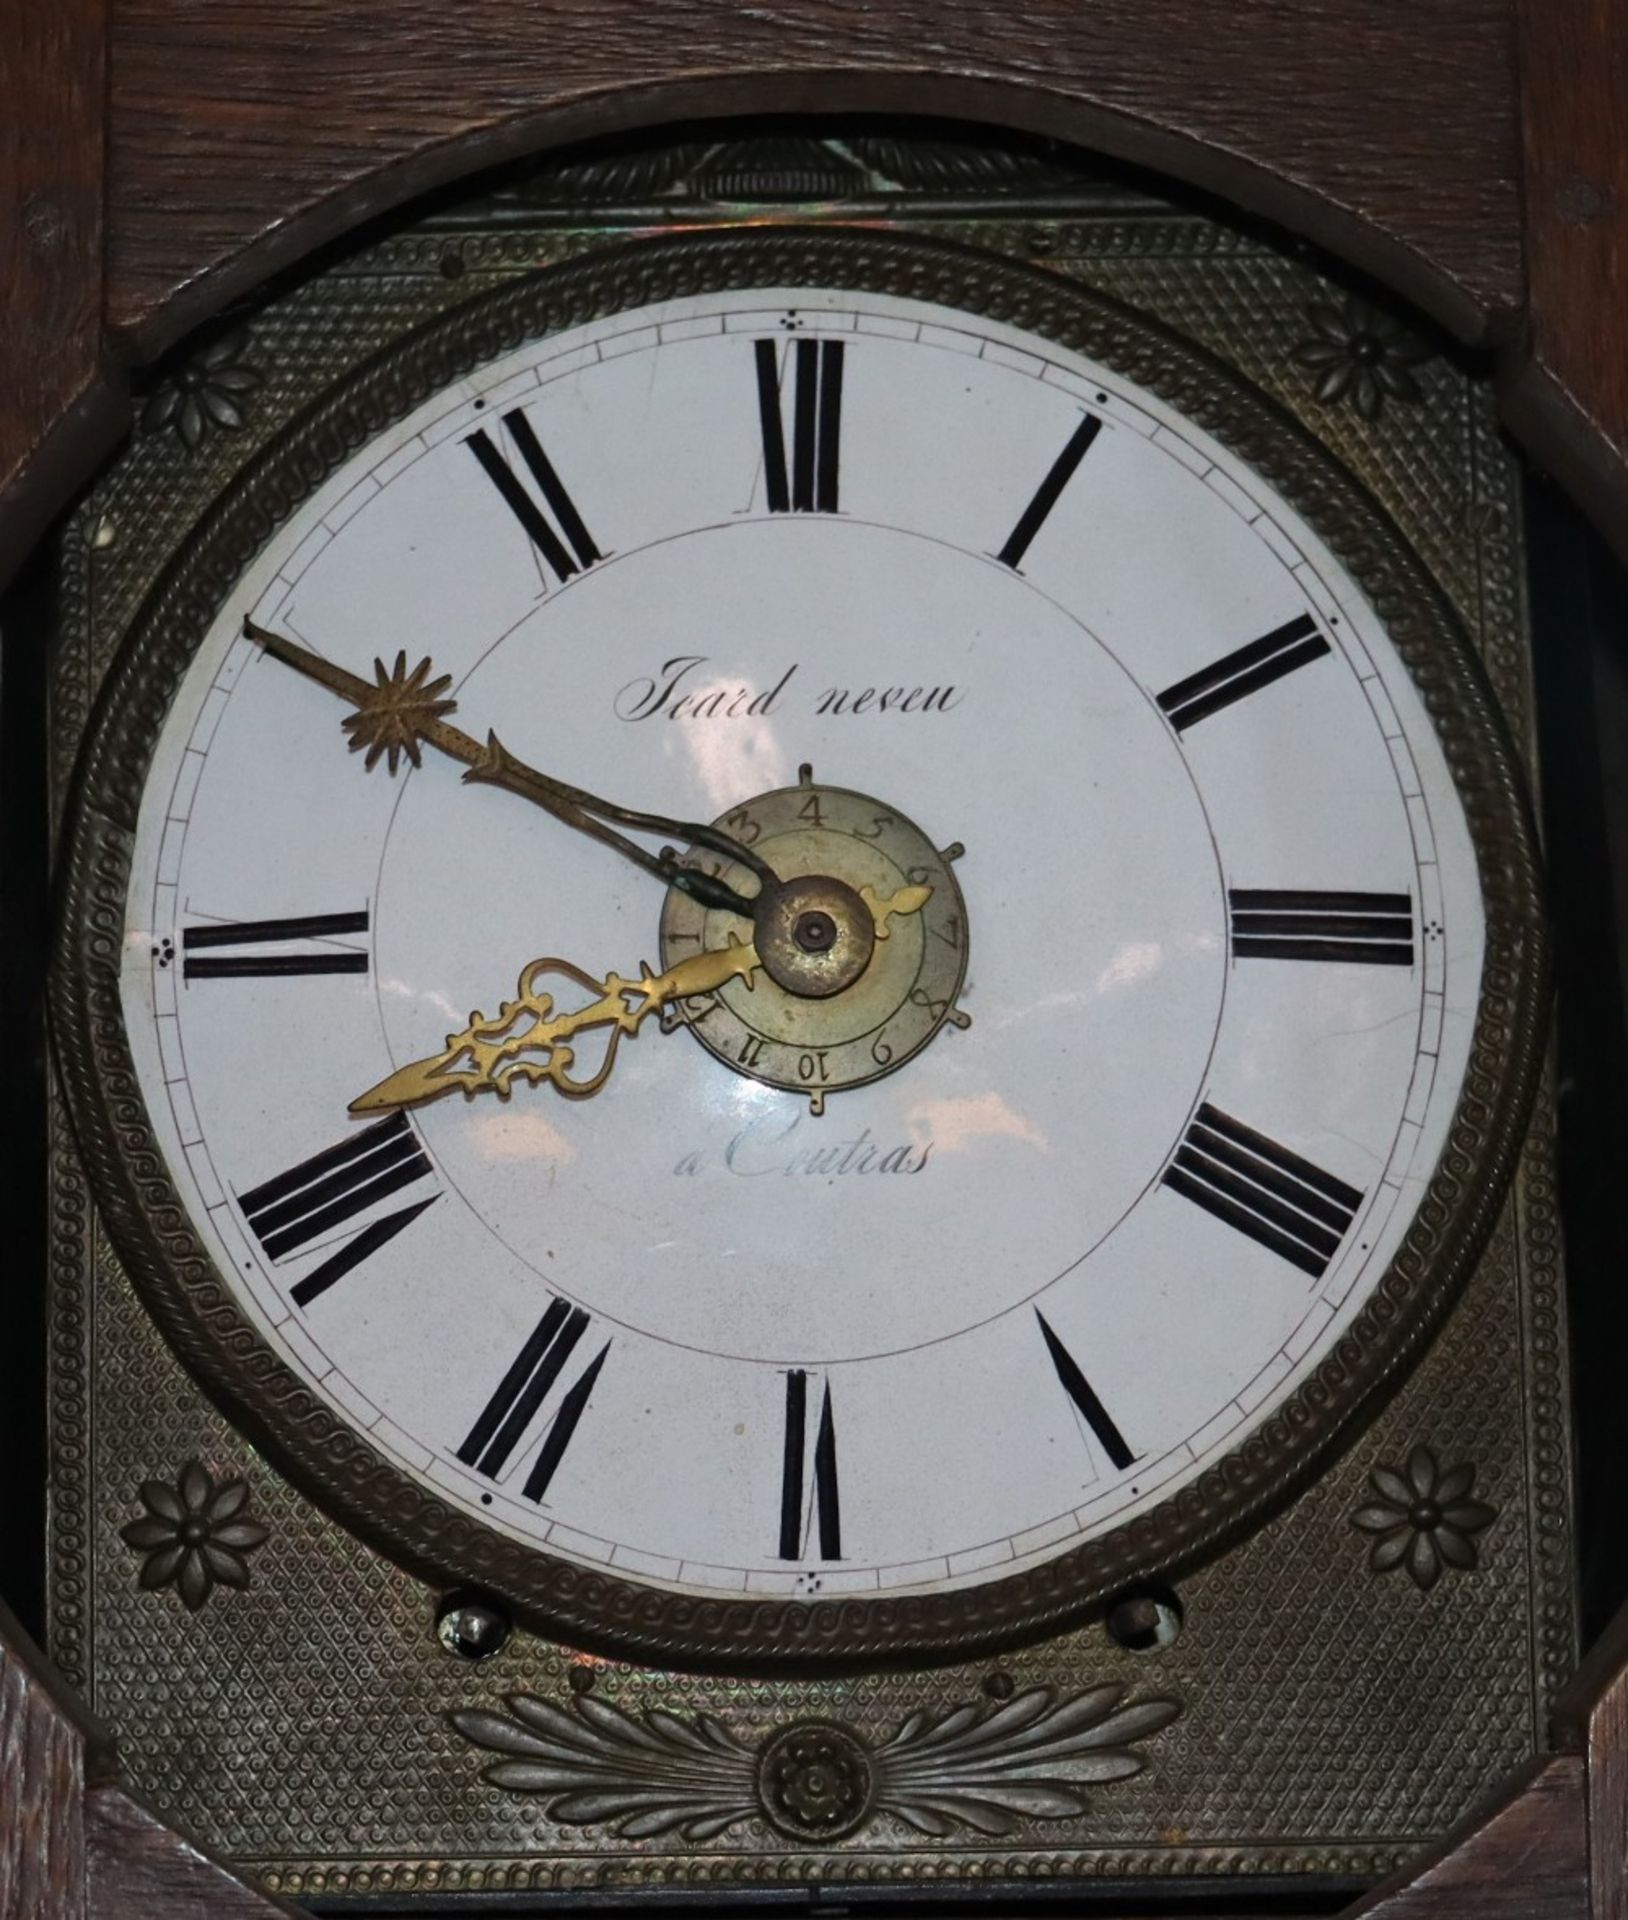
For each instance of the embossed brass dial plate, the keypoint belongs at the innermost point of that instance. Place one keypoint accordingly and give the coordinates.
(1444, 1689)
(408, 1513)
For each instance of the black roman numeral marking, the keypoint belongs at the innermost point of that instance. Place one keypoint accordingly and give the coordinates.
(1033, 517)
(200, 962)
(354, 1252)
(816, 425)
(827, 1511)
(334, 1186)
(1263, 1190)
(521, 1392)
(1079, 1390)
(567, 555)
(1376, 928)
(1237, 675)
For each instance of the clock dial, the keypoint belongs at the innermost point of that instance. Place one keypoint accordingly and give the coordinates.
(1028, 1043)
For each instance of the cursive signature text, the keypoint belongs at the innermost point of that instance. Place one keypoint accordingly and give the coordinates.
(681, 690)
(764, 1147)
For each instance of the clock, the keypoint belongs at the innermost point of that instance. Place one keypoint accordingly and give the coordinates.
(797, 948)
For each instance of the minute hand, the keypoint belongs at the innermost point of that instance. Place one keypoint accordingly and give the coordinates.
(398, 709)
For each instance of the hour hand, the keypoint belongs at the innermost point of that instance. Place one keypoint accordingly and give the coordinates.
(527, 1040)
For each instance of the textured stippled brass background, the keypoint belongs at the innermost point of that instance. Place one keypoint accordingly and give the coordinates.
(1333, 1718)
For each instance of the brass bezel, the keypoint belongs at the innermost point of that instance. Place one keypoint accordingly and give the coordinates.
(334, 1464)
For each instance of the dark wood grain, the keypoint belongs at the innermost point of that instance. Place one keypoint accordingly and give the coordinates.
(58, 411)
(241, 135)
(42, 1834)
(1566, 391)
(73, 1844)
(141, 1869)
(46, 1744)
(1608, 1802)
(1591, 1722)
(1524, 1858)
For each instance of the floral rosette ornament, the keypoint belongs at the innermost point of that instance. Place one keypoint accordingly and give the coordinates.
(206, 395)
(1424, 1519)
(194, 1535)
(1360, 356)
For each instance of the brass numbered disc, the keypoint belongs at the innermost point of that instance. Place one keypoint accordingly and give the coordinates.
(840, 999)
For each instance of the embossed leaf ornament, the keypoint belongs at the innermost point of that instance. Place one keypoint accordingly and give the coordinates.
(657, 1774)
(1033, 1758)
(1028, 1759)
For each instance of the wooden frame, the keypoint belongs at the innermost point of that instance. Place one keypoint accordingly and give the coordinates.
(157, 161)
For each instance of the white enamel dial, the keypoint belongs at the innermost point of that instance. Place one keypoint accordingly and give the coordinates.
(1222, 933)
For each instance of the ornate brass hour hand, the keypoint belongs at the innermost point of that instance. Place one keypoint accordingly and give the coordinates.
(398, 709)
(489, 1055)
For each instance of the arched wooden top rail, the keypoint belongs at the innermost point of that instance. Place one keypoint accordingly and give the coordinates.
(1396, 147)
(158, 158)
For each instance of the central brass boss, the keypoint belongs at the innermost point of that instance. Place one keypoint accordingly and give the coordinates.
(815, 936)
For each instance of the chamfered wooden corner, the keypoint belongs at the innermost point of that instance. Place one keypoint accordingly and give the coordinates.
(1564, 383)
(74, 1845)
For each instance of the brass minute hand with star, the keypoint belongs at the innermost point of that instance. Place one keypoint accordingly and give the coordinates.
(487, 1056)
(812, 934)
(397, 709)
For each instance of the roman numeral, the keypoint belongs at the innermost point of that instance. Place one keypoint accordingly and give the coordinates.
(200, 961)
(1263, 1190)
(355, 1251)
(1237, 675)
(827, 1511)
(566, 555)
(1374, 928)
(334, 1186)
(1078, 1389)
(1033, 517)
(816, 426)
(521, 1392)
